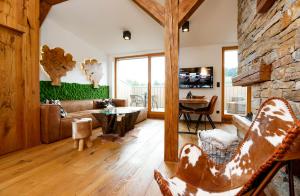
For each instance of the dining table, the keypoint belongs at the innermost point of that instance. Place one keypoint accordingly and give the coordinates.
(196, 102)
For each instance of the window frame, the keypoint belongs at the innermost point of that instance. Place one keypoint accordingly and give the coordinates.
(150, 114)
(228, 117)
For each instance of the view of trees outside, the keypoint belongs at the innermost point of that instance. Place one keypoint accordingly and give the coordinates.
(235, 96)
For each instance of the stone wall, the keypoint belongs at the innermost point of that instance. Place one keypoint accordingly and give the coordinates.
(271, 38)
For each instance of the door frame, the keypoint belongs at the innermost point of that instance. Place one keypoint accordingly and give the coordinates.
(150, 114)
(228, 117)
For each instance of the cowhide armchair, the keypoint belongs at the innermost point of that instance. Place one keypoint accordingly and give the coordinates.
(272, 140)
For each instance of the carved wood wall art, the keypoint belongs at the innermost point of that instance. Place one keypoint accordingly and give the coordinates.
(56, 63)
(93, 70)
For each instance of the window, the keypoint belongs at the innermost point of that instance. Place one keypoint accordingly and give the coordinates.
(235, 98)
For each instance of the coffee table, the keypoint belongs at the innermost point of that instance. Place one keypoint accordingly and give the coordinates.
(118, 120)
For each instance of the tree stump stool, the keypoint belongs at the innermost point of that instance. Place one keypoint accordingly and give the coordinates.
(81, 133)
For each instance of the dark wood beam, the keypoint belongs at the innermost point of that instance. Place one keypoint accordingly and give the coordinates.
(264, 5)
(172, 83)
(45, 7)
(154, 9)
(44, 10)
(187, 8)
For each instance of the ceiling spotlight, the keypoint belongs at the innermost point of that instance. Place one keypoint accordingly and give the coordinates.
(127, 35)
(186, 26)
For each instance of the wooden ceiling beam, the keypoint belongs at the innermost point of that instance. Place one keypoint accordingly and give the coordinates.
(187, 8)
(45, 7)
(154, 9)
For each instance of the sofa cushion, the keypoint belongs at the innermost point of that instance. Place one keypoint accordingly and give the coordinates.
(75, 106)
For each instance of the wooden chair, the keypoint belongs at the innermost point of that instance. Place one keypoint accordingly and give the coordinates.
(207, 111)
(186, 112)
(271, 142)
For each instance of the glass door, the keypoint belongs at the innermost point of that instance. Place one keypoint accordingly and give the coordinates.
(235, 98)
(132, 81)
(157, 66)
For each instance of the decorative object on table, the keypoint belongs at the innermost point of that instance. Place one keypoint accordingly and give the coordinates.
(93, 70)
(189, 95)
(56, 63)
(218, 144)
(272, 141)
(81, 133)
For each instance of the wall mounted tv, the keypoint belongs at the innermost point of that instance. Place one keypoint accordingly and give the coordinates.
(198, 77)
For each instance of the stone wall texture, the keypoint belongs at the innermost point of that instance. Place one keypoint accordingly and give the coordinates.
(271, 38)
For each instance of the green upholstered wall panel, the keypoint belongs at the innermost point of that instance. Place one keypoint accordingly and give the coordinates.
(72, 91)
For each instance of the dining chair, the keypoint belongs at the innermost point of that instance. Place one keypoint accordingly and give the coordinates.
(136, 100)
(207, 111)
(186, 112)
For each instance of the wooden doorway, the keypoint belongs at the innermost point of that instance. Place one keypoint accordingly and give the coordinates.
(235, 99)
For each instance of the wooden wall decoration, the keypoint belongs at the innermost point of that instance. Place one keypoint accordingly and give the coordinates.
(56, 63)
(19, 75)
(171, 16)
(93, 70)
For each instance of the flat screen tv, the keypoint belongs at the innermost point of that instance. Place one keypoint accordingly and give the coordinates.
(198, 77)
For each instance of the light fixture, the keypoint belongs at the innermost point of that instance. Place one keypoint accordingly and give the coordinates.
(127, 35)
(186, 26)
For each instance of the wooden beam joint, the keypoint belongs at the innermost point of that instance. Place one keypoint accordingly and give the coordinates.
(154, 9)
(187, 8)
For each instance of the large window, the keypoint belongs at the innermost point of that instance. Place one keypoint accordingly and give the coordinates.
(141, 80)
(235, 98)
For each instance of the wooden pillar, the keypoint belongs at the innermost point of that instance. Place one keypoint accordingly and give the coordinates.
(171, 84)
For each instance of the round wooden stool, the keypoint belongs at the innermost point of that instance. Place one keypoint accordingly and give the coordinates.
(81, 133)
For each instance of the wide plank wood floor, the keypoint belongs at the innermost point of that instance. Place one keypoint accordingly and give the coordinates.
(123, 167)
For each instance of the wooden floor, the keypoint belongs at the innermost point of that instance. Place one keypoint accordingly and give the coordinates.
(123, 167)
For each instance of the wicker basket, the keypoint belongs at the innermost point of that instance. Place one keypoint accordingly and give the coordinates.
(219, 149)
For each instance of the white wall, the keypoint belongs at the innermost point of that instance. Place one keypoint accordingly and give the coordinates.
(203, 56)
(54, 35)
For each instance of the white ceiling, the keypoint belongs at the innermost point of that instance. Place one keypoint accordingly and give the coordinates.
(101, 22)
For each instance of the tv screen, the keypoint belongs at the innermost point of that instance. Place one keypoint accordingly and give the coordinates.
(198, 77)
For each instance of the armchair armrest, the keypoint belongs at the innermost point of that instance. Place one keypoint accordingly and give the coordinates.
(50, 123)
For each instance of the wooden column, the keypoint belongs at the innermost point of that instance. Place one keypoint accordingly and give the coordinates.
(171, 16)
(171, 84)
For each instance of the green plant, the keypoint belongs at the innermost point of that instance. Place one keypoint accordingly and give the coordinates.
(71, 91)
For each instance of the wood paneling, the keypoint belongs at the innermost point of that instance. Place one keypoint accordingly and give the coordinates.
(154, 9)
(11, 91)
(187, 8)
(19, 87)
